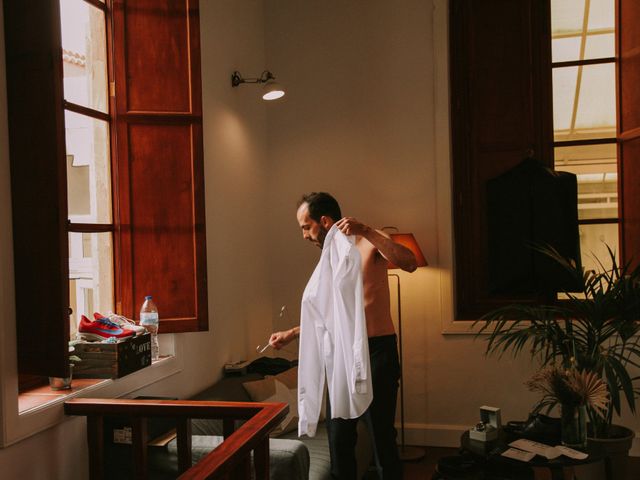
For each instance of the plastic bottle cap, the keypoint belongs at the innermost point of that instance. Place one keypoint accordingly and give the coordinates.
(148, 297)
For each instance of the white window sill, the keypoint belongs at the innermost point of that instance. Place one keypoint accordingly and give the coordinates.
(31, 421)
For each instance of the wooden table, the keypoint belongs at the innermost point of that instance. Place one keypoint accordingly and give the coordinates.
(560, 468)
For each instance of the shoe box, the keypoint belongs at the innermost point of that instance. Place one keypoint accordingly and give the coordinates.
(112, 360)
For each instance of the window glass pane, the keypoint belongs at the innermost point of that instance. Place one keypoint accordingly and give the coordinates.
(597, 196)
(90, 275)
(565, 49)
(596, 169)
(88, 169)
(566, 16)
(593, 245)
(564, 88)
(84, 54)
(600, 46)
(569, 30)
(584, 102)
(593, 249)
(597, 102)
(601, 15)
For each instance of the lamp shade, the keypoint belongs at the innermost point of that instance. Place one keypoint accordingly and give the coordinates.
(409, 241)
(272, 91)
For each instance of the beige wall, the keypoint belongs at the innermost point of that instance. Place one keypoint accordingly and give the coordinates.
(360, 121)
(366, 118)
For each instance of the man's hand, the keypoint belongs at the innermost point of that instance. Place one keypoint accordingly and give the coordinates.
(351, 226)
(279, 339)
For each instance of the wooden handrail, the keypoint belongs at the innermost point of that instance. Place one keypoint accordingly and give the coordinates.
(231, 459)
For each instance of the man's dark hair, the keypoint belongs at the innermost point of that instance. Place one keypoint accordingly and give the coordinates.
(321, 203)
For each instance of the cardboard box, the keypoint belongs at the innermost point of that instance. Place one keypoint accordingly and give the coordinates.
(112, 360)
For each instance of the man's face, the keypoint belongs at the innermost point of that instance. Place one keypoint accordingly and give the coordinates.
(313, 231)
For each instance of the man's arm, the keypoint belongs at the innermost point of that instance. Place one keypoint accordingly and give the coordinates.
(280, 339)
(394, 252)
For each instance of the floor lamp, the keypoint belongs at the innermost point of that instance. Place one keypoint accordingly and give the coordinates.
(409, 241)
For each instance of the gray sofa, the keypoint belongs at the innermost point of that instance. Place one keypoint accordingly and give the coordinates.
(288, 453)
(291, 458)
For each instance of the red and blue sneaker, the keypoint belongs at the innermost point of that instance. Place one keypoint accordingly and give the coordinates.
(100, 329)
(122, 322)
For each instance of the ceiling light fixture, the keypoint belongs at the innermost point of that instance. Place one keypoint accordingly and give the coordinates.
(272, 90)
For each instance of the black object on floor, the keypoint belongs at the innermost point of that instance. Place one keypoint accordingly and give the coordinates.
(468, 467)
(458, 467)
(538, 427)
(270, 366)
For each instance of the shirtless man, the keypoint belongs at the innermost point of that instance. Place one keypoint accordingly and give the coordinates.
(317, 212)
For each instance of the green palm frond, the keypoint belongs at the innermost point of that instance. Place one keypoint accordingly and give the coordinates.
(596, 330)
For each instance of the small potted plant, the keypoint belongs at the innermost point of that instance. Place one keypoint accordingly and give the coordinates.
(64, 383)
(574, 391)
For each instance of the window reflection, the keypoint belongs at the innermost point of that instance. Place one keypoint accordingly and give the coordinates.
(84, 54)
(88, 169)
(90, 275)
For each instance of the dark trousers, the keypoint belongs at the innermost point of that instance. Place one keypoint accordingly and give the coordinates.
(385, 373)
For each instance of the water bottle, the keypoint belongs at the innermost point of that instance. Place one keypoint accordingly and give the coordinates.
(149, 319)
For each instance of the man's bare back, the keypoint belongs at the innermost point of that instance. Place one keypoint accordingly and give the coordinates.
(375, 248)
(375, 290)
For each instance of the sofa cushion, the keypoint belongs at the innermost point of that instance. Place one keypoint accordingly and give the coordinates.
(288, 459)
(318, 446)
(278, 388)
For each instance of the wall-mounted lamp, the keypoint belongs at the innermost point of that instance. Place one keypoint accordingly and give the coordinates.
(271, 89)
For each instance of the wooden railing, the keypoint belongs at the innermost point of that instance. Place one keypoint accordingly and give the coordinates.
(230, 460)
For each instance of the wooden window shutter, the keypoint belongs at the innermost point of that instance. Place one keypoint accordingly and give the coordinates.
(38, 185)
(501, 113)
(628, 45)
(160, 229)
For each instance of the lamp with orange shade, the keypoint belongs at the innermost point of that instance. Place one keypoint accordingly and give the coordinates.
(409, 241)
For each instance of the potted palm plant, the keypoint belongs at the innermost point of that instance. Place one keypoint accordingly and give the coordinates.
(594, 330)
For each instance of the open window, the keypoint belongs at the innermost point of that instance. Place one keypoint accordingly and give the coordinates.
(107, 175)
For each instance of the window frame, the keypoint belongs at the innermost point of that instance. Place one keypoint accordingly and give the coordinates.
(470, 301)
(107, 117)
(479, 105)
(590, 141)
(36, 103)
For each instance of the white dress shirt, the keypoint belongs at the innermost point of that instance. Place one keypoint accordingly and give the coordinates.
(333, 336)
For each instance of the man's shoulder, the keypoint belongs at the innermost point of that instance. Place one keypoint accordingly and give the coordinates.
(367, 250)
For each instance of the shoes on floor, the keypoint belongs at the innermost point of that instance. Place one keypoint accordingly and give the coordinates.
(458, 467)
(123, 322)
(537, 427)
(101, 329)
